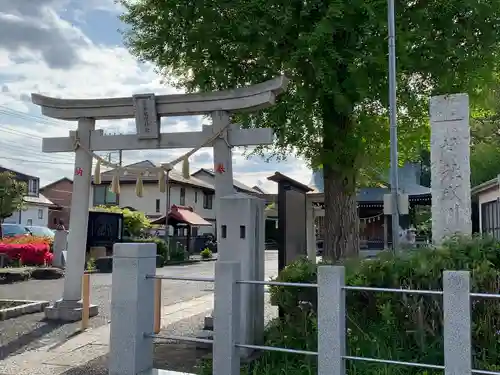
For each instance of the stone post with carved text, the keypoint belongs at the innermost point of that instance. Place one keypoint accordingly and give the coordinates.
(450, 166)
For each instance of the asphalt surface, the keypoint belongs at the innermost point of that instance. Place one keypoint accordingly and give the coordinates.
(31, 331)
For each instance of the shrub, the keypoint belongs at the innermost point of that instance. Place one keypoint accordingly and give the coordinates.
(27, 250)
(134, 222)
(90, 266)
(387, 325)
(206, 253)
(177, 252)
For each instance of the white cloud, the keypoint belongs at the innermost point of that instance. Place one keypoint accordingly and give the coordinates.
(70, 65)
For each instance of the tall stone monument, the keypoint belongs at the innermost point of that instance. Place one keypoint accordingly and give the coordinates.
(450, 166)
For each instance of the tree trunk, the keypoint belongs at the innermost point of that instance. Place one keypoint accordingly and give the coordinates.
(339, 154)
(1, 229)
(341, 215)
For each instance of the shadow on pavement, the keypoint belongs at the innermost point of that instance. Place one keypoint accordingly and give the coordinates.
(27, 338)
(167, 356)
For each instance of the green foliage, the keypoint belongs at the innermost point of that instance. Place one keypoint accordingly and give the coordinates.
(206, 253)
(485, 140)
(334, 112)
(90, 266)
(177, 252)
(485, 162)
(11, 195)
(387, 325)
(135, 222)
(334, 52)
(423, 221)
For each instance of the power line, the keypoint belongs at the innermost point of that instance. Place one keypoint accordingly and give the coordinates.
(34, 161)
(17, 132)
(15, 113)
(32, 150)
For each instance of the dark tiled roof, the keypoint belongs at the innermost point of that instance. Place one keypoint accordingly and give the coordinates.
(153, 177)
(236, 183)
(408, 184)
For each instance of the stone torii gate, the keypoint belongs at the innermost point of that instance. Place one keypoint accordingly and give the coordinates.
(147, 109)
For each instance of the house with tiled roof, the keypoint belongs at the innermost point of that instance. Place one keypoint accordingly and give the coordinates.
(36, 207)
(208, 175)
(197, 192)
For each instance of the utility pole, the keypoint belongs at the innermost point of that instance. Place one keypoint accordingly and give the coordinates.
(393, 124)
(167, 209)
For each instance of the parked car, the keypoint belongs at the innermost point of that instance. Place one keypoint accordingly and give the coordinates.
(41, 231)
(12, 230)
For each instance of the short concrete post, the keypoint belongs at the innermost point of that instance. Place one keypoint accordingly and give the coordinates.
(60, 244)
(226, 357)
(331, 320)
(132, 308)
(457, 323)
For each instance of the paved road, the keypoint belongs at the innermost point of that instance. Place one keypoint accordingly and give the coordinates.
(31, 331)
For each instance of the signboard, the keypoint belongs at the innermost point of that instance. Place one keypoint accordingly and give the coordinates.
(146, 118)
(104, 228)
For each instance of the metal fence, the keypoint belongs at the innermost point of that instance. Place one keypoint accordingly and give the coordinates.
(132, 334)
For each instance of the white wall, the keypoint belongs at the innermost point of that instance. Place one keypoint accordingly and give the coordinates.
(31, 212)
(151, 193)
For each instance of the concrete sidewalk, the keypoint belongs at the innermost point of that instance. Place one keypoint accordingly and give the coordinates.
(91, 344)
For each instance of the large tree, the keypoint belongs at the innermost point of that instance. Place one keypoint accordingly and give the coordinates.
(11, 196)
(335, 53)
(485, 139)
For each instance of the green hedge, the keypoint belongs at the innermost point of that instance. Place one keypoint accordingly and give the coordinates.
(388, 325)
(177, 252)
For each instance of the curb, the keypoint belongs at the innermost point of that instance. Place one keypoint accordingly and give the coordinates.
(28, 307)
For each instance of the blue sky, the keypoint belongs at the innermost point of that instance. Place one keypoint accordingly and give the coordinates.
(72, 49)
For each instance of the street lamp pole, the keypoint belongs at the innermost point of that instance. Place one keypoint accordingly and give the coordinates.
(393, 123)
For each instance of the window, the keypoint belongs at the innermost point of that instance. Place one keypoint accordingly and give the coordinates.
(40, 213)
(157, 205)
(195, 197)
(208, 200)
(104, 196)
(183, 197)
(490, 220)
(33, 187)
(29, 222)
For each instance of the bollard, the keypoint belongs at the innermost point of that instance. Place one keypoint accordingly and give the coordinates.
(85, 300)
(157, 321)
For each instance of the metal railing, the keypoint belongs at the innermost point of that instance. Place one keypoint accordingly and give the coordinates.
(331, 314)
